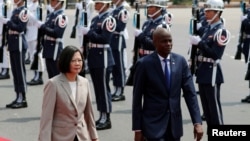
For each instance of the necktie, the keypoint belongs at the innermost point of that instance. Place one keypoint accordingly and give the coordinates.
(167, 73)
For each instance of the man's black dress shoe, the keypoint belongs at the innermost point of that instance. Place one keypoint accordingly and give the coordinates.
(118, 97)
(17, 105)
(35, 82)
(10, 105)
(246, 99)
(5, 76)
(103, 126)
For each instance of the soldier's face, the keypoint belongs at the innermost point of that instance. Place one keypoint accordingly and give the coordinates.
(53, 3)
(152, 9)
(98, 6)
(209, 14)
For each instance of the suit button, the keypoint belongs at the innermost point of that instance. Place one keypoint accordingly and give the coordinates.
(75, 124)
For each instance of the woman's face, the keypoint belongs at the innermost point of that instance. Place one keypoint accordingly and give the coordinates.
(76, 63)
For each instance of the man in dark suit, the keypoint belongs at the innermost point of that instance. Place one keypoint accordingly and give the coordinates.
(156, 111)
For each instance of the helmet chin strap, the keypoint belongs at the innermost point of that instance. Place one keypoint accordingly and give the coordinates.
(155, 13)
(57, 5)
(117, 2)
(18, 2)
(101, 8)
(210, 21)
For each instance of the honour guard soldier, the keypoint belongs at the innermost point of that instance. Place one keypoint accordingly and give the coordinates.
(155, 18)
(4, 53)
(88, 7)
(100, 60)
(244, 42)
(17, 46)
(209, 75)
(31, 36)
(53, 30)
(118, 46)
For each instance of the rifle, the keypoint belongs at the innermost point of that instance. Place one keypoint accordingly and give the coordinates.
(4, 32)
(136, 46)
(73, 33)
(239, 46)
(84, 22)
(194, 20)
(35, 63)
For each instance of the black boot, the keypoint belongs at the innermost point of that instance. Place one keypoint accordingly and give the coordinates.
(5, 73)
(22, 104)
(39, 81)
(104, 125)
(97, 122)
(246, 99)
(118, 96)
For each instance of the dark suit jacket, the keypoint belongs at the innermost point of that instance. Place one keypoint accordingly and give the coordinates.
(153, 106)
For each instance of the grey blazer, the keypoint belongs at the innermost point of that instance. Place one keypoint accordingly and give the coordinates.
(62, 117)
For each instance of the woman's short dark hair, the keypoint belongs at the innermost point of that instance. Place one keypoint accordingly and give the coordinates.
(66, 57)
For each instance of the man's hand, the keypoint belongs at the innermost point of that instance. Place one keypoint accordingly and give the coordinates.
(138, 136)
(198, 132)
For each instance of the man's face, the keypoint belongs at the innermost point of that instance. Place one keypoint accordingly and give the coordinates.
(152, 9)
(209, 14)
(53, 2)
(163, 44)
(98, 5)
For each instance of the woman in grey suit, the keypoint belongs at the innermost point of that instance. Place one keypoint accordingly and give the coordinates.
(67, 113)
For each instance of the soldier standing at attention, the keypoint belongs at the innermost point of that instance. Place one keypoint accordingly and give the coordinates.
(118, 46)
(32, 39)
(244, 42)
(4, 60)
(53, 30)
(17, 46)
(209, 75)
(155, 19)
(100, 60)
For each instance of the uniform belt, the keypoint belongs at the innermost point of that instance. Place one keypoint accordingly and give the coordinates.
(49, 38)
(93, 45)
(12, 32)
(119, 33)
(145, 52)
(205, 59)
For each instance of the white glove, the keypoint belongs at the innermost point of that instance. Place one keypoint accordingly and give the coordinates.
(137, 32)
(194, 40)
(198, 26)
(84, 30)
(3, 20)
(243, 17)
(38, 23)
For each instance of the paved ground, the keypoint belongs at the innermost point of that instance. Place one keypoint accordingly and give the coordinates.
(23, 124)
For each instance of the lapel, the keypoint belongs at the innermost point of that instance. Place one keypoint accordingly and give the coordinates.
(66, 87)
(78, 89)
